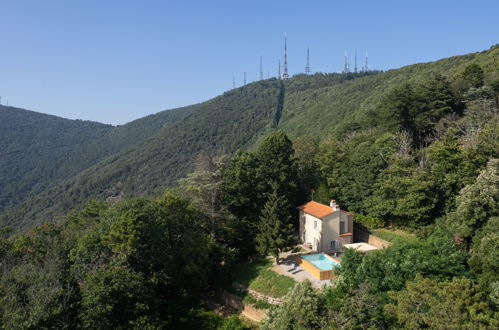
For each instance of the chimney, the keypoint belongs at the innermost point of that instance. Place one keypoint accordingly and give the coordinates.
(334, 205)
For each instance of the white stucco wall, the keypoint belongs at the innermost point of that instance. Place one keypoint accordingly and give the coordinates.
(309, 234)
(327, 230)
(331, 232)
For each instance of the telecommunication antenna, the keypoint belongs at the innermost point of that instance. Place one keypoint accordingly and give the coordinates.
(244, 77)
(346, 68)
(261, 68)
(355, 69)
(285, 74)
(366, 67)
(233, 82)
(307, 67)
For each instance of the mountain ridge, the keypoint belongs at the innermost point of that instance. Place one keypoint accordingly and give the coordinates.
(152, 152)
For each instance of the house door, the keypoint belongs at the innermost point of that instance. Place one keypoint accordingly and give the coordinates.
(316, 244)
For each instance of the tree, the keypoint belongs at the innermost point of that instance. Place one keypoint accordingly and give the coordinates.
(446, 167)
(204, 188)
(248, 181)
(33, 296)
(5, 245)
(351, 259)
(437, 257)
(361, 309)
(404, 194)
(276, 166)
(115, 298)
(395, 109)
(495, 88)
(300, 309)
(434, 100)
(275, 231)
(239, 186)
(484, 261)
(350, 168)
(306, 150)
(472, 76)
(476, 203)
(35, 289)
(426, 303)
(145, 258)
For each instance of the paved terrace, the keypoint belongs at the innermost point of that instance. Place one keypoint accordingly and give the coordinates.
(287, 266)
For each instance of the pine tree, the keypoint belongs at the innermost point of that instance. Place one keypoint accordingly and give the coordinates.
(276, 166)
(275, 231)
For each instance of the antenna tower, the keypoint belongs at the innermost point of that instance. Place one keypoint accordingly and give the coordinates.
(346, 68)
(366, 67)
(285, 74)
(307, 68)
(355, 69)
(244, 77)
(261, 69)
(233, 82)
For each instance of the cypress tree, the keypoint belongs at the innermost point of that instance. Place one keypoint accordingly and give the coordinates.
(275, 231)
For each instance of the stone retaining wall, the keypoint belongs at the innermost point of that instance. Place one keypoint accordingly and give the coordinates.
(254, 314)
(361, 235)
(247, 311)
(258, 295)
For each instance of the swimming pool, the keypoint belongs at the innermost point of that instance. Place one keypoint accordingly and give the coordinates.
(321, 261)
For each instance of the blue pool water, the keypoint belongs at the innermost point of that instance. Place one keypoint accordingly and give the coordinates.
(321, 261)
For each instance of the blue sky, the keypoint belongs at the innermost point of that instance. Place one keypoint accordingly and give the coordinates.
(115, 61)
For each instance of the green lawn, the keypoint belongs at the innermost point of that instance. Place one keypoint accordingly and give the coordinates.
(249, 299)
(393, 235)
(257, 276)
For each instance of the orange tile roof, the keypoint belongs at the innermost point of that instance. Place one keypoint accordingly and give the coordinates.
(318, 210)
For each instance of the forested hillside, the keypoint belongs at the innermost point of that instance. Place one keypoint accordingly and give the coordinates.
(38, 149)
(417, 150)
(147, 155)
(323, 110)
(41, 150)
(236, 119)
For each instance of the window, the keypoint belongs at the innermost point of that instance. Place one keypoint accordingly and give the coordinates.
(335, 244)
(343, 227)
(315, 224)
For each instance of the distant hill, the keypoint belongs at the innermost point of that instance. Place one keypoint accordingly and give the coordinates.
(40, 150)
(91, 160)
(323, 110)
(37, 150)
(153, 152)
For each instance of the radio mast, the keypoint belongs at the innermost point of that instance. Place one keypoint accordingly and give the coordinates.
(307, 67)
(285, 74)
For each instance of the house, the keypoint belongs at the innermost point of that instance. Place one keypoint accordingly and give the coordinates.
(325, 228)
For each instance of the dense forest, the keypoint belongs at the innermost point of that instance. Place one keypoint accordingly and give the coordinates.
(40, 150)
(415, 148)
(148, 155)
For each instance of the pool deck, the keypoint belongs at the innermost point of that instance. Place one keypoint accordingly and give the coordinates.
(288, 267)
